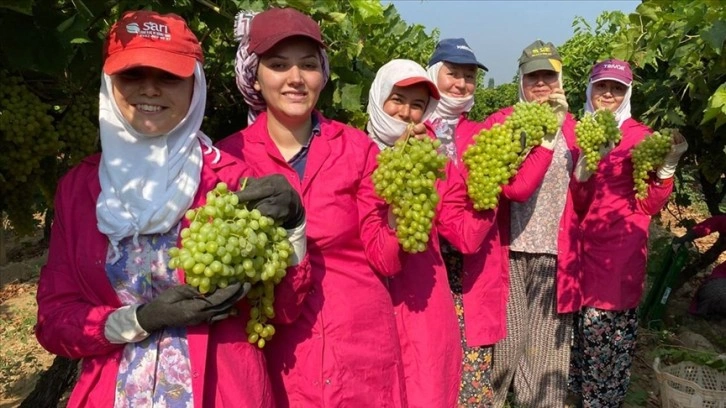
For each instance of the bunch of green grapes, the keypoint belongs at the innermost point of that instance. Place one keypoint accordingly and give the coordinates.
(534, 119)
(491, 161)
(405, 179)
(226, 242)
(26, 132)
(78, 128)
(595, 131)
(647, 156)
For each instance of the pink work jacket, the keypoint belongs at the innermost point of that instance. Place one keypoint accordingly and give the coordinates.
(486, 273)
(614, 227)
(717, 223)
(75, 298)
(425, 311)
(343, 349)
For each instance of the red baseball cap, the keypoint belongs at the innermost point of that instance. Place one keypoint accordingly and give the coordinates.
(433, 90)
(614, 70)
(149, 39)
(274, 25)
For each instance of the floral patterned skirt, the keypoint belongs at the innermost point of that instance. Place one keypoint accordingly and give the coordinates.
(475, 389)
(602, 354)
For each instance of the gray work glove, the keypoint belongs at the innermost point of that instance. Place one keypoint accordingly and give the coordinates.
(274, 197)
(183, 305)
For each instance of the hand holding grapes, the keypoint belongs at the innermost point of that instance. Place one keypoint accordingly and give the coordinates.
(679, 145)
(558, 101)
(274, 197)
(417, 130)
(183, 305)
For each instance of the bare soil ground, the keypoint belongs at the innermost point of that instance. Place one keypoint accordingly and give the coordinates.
(22, 359)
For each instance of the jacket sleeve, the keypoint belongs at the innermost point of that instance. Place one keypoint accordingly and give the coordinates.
(658, 193)
(457, 220)
(380, 243)
(69, 324)
(717, 223)
(530, 175)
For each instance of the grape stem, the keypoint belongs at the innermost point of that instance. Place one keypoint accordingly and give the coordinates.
(409, 133)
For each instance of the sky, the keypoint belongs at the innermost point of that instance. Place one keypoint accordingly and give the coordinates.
(498, 31)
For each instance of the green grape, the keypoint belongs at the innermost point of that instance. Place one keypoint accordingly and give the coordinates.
(534, 119)
(595, 131)
(497, 153)
(28, 138)
(647, 156)
(226, 242)
(405, 179)
(78, 128)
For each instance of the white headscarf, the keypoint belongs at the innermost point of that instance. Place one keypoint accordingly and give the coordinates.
(147, 183)
(449, 108)
(383, 128)
(622, 113)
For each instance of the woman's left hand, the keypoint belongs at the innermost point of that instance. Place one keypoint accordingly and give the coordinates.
(558, 102)
(679, 145)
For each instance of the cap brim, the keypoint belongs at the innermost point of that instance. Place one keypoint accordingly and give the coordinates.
(610, 78)
(420, 80)
(466, 61)
(269, 42)
(538, 65)
(179, 65)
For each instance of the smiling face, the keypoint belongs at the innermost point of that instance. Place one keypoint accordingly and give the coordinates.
(457, 80)
(152, 101)
(538, 85)
(407, 104)
(607, 94)
(290, 78)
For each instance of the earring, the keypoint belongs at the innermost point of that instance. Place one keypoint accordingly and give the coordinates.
(257, 86)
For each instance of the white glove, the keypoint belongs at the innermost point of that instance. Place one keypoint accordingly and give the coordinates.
(558, 101)
(678, 147)
(582, 174)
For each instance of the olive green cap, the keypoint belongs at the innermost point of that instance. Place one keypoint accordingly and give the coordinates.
(540, 56)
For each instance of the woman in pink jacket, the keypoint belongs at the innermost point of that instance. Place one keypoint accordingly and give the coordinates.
(614, 237)
(453, 68)
(430, 342)
(537, 230)
(343, 349)
(105, 294)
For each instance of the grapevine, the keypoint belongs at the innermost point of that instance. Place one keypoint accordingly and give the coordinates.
(225, 242)
(595, 131)
(647, 156)
(78, 129)
(405, 179)
(27, 136)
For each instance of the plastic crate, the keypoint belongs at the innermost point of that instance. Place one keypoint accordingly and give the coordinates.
(690, 385)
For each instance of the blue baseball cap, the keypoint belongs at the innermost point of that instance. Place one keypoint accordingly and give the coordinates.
(455, 50)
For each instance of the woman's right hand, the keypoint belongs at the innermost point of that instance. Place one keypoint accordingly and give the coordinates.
(418, 131)
(275, 197)
(182, 305)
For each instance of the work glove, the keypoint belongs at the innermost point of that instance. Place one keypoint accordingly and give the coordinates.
(274, 197)
(183, 305)
(678, 147)
(558, 102)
